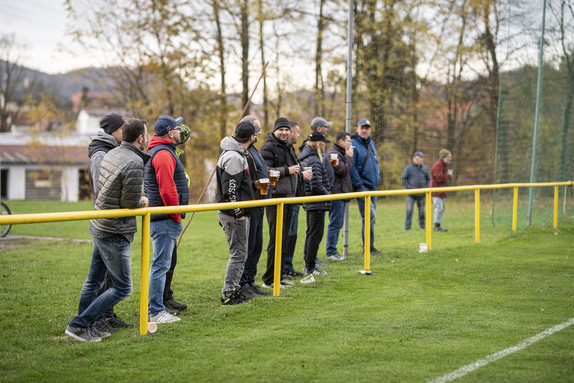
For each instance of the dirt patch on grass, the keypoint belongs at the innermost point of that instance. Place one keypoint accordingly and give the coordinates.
(7, 244)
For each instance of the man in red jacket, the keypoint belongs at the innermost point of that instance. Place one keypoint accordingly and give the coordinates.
(440, 174)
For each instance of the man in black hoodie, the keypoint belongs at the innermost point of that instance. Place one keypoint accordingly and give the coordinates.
(109, 137)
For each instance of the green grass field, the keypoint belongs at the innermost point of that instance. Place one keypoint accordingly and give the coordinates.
(418, 317)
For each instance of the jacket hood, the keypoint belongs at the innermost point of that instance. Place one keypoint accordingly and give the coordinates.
(101, 141)
(155, 141)
(230, 143)
(307, 152)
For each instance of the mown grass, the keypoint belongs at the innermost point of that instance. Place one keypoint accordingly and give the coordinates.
(417, 317)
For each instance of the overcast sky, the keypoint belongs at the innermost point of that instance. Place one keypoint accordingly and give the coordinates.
(40, 26)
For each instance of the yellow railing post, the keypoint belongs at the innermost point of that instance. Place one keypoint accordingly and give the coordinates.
(514, 209)
(278, 249)
(428, 224)
(367, 244)
(144, 282)
(477, 216)
(556, 207)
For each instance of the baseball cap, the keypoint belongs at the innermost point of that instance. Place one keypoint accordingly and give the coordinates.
(364, 122)
(164, 124)
(319, 121)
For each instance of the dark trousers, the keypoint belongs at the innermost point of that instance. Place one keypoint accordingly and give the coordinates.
(271, 212)
(168, 292)
(313, 236)
(255, 245)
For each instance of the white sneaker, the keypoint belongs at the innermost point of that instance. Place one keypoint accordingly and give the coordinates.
(164, 317)
(286, 283)
(266, 286)
(336, 257)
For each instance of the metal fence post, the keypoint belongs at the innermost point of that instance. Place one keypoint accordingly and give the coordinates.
(477, 215)
(144, 282)
(278, 249)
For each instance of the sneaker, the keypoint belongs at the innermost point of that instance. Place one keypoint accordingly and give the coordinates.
(101, 334)
(293, 273)
(236, 297)
(442, 229)
(118, 322)
(258, 291)
(82, 334)
(163, 317)
(286, 276)
(374, 251)
(266, 286)
(336, 257)
(315, 271)
(407, 228)
(103, 326)
(247, 292)
(319, 262)
(175, 305)
(171, 310)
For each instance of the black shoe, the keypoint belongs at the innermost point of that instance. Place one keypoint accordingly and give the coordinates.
(83, 334)
(171, 310)
(234, 299)
(375, 251)
(293, 273)
(247, 292)
(258, 291)
(103, 326)
(440, 229)
(407, 228)
(118, 322)
(286, 276)
(175, 305)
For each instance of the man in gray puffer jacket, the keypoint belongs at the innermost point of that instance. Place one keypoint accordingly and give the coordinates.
(120, 186)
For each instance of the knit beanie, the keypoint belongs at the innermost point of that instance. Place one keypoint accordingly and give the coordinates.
(443, 153)
(281, 122)
(112, 122)
(184, 133)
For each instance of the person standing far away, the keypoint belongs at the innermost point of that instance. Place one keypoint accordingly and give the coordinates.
(343, 150)
(171, 305)
(108, 138)
(416, 176)
(293, 227)
(120, 187)
(279, 155)
(257, 170)
(440, 174)
(165, 185)
(365, 174)
(234, 184)
(311, 156)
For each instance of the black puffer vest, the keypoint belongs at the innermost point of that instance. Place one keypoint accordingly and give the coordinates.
(152, 188)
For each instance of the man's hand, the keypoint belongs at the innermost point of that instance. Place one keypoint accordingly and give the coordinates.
(144, 199)
(307, 175)
(294, 169)
(349, 151)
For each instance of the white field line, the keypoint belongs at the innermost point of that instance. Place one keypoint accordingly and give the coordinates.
(501, 354)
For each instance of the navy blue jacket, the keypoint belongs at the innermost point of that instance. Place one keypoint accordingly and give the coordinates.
(370, 177)
(320, 183)
(416, 177)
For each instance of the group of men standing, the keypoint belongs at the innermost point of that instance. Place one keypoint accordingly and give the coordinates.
(124, 176)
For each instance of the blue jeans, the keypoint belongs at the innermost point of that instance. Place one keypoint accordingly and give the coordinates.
(438, 209)
(410, 208)
(336, 220)
(114, 256)
(361, 204)
(164, 235)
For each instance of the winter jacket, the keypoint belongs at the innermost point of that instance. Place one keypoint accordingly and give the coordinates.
(97, 149)
(121, 186)
(416, 177)
(319, 184)
(233, 181)
(279, 156)
(257, 169)
(342, 171)
(165, 181)
(439, 177)
(365, 152)
(326, 161)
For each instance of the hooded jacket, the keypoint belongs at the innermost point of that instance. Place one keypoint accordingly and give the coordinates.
(121, 186)
(233, 180)
(165, 181)
(279, 156)
(97, 149)
(319, 184)
(416, 177)
(365, 152)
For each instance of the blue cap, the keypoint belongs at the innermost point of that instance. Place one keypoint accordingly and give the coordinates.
(364, 122)
(419, 154)
(165, 124)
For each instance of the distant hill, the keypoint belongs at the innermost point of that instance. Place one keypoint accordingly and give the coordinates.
(64, 85)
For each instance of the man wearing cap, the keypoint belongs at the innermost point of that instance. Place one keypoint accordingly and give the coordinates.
(440, 174)
(165, 185)
(171, 305)
(120, 187)
(108, 138)
(416, 176)
(234, 184)
(365, 173)
(257, 170)
(279, 155)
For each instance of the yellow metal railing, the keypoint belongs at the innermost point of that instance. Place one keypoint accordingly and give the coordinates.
(280, 202)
